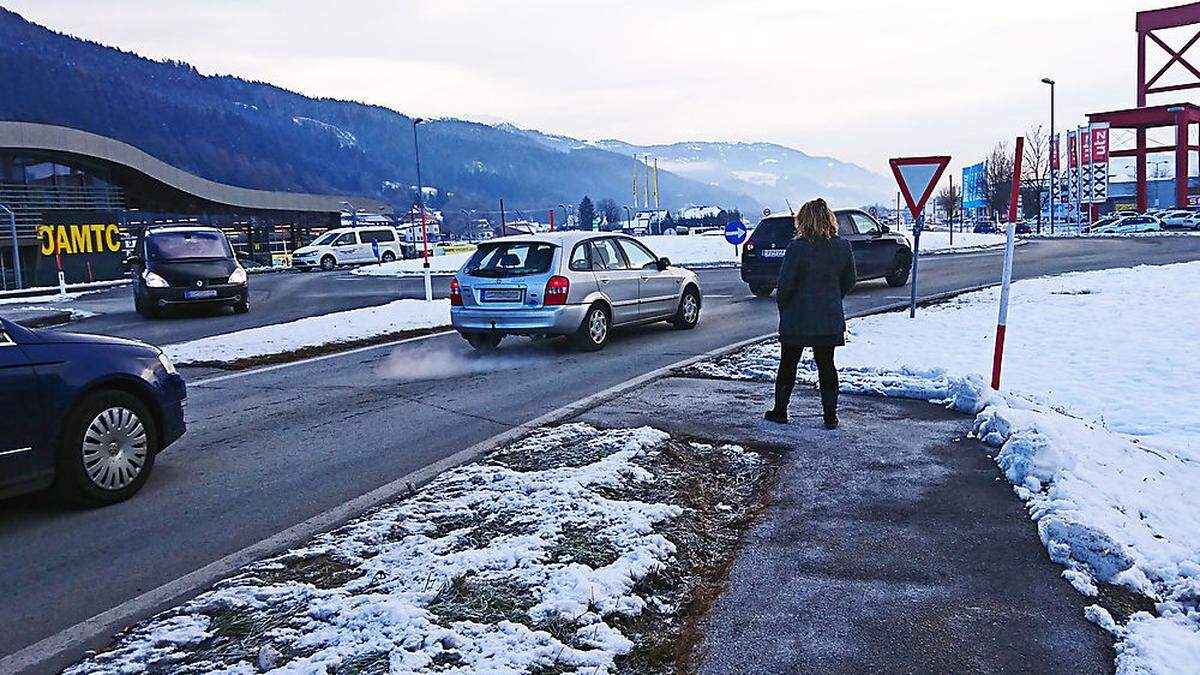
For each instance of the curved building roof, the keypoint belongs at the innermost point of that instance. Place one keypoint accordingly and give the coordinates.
(52, 138)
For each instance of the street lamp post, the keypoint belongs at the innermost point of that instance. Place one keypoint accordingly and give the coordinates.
(421, 203)
(12, 230)
(1054, 159)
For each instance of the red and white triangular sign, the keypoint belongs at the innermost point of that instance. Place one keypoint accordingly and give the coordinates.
(917, 177)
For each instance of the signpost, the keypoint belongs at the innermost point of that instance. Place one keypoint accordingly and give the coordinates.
(1006, 275)
(735, 233)
(917, 177)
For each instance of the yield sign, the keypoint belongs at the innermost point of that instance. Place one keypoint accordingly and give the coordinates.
(917, 176)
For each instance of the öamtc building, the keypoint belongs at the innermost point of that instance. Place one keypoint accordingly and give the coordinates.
(78, 199)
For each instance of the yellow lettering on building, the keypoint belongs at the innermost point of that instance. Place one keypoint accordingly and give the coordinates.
(63, 239)
(70, 239)
(45, 235)
(80, 240)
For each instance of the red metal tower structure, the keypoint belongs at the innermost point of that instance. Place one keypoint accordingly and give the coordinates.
(1179, 115)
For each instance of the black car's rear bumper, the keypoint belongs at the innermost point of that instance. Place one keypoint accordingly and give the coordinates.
(179, 295)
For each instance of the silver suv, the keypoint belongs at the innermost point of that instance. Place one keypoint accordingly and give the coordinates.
(577, 284)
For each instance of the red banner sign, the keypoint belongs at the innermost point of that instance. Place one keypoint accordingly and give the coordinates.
(1072, 150)
(1099, 145)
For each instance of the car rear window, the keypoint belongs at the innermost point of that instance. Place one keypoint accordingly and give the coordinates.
(774, 231)
(510, 259)
(183, 245)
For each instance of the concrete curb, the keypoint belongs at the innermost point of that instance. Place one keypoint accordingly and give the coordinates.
(55, 317)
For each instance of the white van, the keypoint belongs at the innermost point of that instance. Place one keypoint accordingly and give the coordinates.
(350, 246)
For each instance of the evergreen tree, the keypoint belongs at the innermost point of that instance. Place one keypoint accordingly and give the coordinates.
(587, 213)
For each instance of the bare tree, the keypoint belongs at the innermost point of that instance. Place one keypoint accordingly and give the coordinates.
(947, 198)
(1035, 171)
(997, 184)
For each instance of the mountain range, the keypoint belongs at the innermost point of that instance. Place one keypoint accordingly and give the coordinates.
(257, 135)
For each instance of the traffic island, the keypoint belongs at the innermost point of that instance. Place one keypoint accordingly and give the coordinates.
(579, 549)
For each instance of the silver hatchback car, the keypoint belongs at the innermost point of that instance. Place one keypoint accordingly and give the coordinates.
(577, 284)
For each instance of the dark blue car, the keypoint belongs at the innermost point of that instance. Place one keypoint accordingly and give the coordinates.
(83, 414)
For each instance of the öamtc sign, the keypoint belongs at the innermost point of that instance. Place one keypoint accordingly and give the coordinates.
(75, 239)
(88, 245)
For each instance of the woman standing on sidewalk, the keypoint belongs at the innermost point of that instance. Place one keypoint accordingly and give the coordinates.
(818, 271)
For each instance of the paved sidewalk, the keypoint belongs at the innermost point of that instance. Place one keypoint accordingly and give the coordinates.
(892, 544)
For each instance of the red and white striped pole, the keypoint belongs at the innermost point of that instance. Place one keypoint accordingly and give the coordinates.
(1006, 279)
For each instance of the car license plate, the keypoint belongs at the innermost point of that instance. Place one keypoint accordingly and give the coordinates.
(502, 295)
(773, 252)
(197, 295)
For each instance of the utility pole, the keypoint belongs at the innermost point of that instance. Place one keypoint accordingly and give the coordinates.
(421, 204)
(12, 230)
(503, 227)
(950, 207)
(1053, 152)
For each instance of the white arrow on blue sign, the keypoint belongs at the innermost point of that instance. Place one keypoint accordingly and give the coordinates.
(735, 232)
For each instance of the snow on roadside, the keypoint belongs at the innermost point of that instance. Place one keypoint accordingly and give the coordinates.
(314, 331)
(503, 566)
(1098, 427)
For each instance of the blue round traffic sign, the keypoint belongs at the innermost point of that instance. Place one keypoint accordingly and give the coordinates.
(735, 232)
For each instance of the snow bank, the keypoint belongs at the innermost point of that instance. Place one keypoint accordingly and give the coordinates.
(705, 250)
(375, 590)
(1098, 428)
(314, 331)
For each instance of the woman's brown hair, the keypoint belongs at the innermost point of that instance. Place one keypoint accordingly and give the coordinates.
(815, 221)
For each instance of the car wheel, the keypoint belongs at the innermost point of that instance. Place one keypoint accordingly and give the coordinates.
(593, 332)
(900, 271)
(388, 256)
(688, 314)
(484, 342)
(761, 290)
(328, 263)
(241, 307)
(107, 449)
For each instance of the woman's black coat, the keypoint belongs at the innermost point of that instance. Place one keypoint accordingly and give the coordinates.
(815, 276)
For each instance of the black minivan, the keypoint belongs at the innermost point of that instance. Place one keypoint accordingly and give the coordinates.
(878, 252)
(186, 265)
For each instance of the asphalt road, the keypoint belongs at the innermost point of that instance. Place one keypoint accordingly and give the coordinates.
(268, 449)
(275, 297)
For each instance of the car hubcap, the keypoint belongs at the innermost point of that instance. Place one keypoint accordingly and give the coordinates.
(690, 308)
(114, 448)
(598, 327)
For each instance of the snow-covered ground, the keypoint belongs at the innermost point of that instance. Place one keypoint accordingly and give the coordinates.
(1098, 426)
(315, 331)
(938, 241)
(538, 559)
(707, 250)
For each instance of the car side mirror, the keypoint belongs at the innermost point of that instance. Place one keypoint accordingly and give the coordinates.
(663, 264)
(885, 229)
(131, 262)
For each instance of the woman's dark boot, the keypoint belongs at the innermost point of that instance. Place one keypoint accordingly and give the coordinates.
(831, 422)
(776, 416)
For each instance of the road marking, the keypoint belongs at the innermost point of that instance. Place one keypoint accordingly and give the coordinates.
(107, 622)
(313, 359)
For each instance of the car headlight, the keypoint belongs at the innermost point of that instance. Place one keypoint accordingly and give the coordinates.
(153, 280)
(166, 362)
(238, 276)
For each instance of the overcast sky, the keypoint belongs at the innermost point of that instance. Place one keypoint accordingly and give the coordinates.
(856, 79)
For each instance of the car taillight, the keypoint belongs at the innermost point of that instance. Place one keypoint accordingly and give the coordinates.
(556, 291)
(455, 294)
